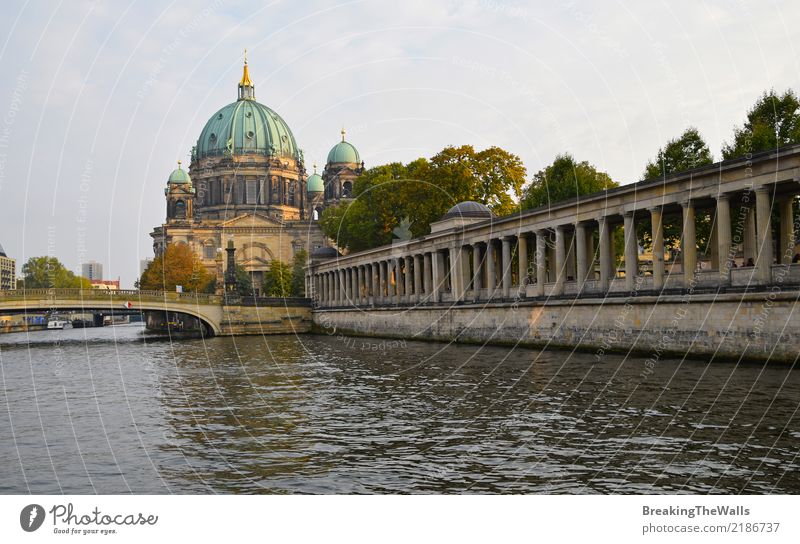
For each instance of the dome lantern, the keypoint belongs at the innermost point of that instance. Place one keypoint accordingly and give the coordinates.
(247, 91)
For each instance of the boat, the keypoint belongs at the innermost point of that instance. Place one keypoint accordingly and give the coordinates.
(58, 324)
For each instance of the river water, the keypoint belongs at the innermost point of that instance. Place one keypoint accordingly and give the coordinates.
(113, 410)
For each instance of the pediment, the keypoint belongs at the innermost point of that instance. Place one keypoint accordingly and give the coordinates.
(251, 220)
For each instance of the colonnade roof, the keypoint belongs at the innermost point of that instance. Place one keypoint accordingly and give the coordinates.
(706, 182)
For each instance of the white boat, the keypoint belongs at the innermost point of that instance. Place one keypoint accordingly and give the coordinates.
(58, 324)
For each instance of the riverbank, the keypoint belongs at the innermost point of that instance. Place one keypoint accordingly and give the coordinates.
(758, 326)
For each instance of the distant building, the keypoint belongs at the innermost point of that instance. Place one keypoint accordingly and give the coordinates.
(109, 285)
(8, 271)
(92, 270)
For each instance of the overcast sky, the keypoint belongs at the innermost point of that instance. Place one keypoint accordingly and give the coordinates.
(99, 99)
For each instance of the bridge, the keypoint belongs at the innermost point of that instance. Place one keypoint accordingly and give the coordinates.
(215, 314)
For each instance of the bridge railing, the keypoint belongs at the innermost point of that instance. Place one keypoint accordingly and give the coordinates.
(105, 294)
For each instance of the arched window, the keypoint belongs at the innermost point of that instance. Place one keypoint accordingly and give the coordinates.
(347, 188)
(180, 209)
(209, 251)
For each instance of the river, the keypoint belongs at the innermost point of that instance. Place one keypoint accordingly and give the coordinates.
(113, 410)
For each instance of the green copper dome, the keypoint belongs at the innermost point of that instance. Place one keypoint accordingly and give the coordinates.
(243, 127)
(343, 152)
(179, 176)
(314, 184)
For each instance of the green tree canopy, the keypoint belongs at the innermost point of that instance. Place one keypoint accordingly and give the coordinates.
(687, 151)
(683, 153)
(565, 178)
(244, 282)
(178, 265)
(277, 280)
(49, 273)
(422, 191)
(773, 121)
(298, 283)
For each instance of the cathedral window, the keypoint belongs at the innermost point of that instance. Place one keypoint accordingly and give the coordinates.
(347, 188)
(208, 251)
(251, 192)
(180, 210)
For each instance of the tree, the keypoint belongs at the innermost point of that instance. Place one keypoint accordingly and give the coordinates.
(49, 273)
(683, 153)
(277, 280)
(420, 193)
(688, 151)
(565, 178)
(178, 265)
(773, 121)
(244, 282)
(298, 283)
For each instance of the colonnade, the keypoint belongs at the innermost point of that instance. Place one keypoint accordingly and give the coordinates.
(537, 256)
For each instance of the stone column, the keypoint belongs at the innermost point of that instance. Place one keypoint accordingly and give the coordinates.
(786, 247)
(631, 255)
(605, 253)
(427, 275)
(353, 285)
(724, 238)
(764, 231)
(491, 281)
(407, 276)
(689, 243)
(506, 271)
(417, 278)
(541, 269)
(657, 234)
(522, 255)
(455, 274)
(381, 282)
(359, 284)
(437, 270)
(390, 281)
(399, 275)
(581, 256)
(336, 280)
(561, 261)
(376, 283)
(749, 250)
(477, 273)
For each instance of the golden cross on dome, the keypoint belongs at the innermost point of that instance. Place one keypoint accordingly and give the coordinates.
(343, 133)
(245, 55)
(179, 164)
(315, 168)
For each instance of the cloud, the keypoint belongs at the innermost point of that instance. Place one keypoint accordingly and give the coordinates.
(132, 87)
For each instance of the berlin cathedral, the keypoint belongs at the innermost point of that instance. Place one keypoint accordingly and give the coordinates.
(247, 183)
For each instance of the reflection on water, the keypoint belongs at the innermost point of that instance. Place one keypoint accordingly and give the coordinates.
(113, 411)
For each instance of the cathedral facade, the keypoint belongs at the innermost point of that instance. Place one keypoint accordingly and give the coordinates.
(247, 183)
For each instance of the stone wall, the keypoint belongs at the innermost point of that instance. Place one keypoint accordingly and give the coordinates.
(273, 319)
(756, 326)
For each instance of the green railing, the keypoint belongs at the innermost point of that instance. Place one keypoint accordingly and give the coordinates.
(108, 294)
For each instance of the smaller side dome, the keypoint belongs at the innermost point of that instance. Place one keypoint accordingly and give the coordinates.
(469, 208)
(179, 175)
(324, 253)
(314, 183)
(344, 152)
